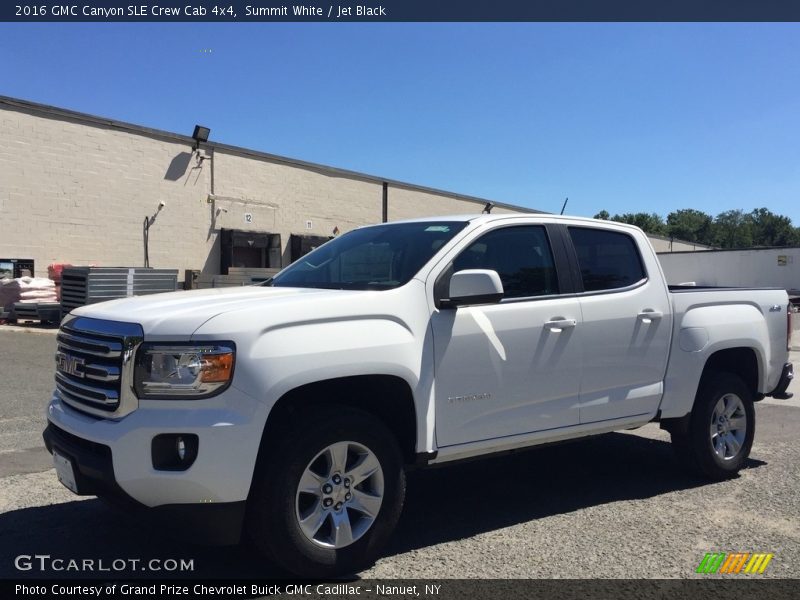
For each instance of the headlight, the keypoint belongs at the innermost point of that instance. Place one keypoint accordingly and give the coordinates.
(183, 371)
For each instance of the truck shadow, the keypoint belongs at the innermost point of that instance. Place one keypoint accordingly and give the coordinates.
(89, 529)
(447, 504)
(442, 505)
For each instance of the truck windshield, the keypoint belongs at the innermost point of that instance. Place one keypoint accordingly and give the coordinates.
(374, 258)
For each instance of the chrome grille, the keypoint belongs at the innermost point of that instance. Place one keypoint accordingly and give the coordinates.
(105, 348)
(94, 365)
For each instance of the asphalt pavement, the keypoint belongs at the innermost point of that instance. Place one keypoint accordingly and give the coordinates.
(614, 506)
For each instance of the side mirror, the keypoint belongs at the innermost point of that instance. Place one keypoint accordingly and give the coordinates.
(474, 286)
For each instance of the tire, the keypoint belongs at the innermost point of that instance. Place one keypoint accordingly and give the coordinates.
(718, 450)
(294, 528)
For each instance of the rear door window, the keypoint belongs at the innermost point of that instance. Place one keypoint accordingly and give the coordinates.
(608, 259)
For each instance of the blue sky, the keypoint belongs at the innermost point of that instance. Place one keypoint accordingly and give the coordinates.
(622, 117)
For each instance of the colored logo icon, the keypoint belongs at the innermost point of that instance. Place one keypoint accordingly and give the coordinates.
(736, 562)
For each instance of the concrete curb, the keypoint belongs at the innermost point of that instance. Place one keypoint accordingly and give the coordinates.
(29, 329)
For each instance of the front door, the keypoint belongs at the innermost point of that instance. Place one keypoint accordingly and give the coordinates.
(513, 367)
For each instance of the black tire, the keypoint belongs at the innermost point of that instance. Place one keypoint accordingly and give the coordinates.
(694, 446)
(272, 523)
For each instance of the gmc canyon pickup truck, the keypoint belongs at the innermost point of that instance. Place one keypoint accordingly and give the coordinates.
(289, 411)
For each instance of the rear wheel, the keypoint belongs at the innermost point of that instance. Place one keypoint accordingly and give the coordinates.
(721, 427)
(329, 495)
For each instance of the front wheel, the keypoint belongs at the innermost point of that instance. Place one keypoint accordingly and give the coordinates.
(721, 427)
(329, 495)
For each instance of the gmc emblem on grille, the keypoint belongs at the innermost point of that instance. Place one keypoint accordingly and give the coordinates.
(71, 365)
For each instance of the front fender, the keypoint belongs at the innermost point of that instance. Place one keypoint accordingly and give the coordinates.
(286, 357)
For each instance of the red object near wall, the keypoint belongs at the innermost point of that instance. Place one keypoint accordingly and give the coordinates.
(54, 271)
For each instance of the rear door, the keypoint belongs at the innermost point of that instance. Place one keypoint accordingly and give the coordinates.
(627, 323)
(509, 368)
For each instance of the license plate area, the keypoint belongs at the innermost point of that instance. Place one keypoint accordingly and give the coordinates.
(65, 471)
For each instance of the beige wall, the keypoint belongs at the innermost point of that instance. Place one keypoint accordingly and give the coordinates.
(409, 204)
(282, 198)
(76, 190)
(79, 194)
(661, 244)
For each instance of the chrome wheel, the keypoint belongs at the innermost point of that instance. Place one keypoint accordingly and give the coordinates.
(339, 495)
(728, 427)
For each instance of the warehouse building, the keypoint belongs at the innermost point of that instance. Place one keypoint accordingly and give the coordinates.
(81, 189)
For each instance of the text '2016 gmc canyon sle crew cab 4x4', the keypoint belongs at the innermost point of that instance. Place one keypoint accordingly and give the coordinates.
(289, 411)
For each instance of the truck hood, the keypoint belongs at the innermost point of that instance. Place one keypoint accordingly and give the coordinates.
(179, 314)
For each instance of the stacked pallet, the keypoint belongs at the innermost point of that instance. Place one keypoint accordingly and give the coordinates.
(29, 298)
(26, 290)
(46, 312)
(88, 285)
(237, 276)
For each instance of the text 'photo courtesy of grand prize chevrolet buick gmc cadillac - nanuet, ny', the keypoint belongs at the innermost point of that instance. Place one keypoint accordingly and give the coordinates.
(288, 412)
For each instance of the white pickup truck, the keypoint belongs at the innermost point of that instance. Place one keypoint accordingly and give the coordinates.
(290, 411)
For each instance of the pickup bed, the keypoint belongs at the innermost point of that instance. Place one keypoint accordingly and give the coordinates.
(289, 411)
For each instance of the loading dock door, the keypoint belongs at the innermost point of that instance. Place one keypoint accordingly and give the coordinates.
(300, 245)
(249, 249)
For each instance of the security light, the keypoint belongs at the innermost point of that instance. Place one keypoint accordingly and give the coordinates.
(200, 134)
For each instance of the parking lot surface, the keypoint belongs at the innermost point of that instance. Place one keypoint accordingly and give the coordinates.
(613, 506)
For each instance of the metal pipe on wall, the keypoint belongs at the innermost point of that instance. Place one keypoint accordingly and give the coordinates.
(385, 202)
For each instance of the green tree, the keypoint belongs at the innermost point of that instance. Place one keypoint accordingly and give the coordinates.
(691, 225)
(648, 222)
(732, 229)
(769, 229)
(729, 229)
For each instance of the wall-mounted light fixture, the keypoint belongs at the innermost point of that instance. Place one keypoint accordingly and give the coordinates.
(200, 135)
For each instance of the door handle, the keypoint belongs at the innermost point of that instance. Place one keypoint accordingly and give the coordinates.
(558, 325)
(648, 315)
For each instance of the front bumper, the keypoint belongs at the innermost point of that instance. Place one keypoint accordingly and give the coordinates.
(113, 458)
(92, 464)
(229, 429)
(786, 378)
